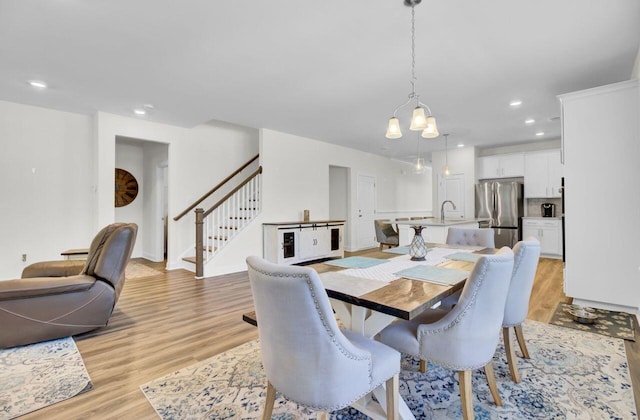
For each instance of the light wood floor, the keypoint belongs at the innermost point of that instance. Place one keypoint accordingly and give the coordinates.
(170, 321)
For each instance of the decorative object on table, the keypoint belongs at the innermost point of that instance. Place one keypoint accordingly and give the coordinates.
(565, 364)
(126, 187)
(432, 274)
(419, 122)
(356, 262)
(609, 323)
(305, 355)
(61, 304)
(39, 375)
(417, 249)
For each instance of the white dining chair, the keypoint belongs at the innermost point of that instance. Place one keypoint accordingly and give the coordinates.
(526, 256)
(306, 357)
(466, 337)
(471, 237)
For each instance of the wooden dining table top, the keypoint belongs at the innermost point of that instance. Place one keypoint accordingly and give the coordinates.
(403, 298)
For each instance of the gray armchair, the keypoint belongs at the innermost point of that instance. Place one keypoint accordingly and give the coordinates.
(62, 298)
(306, 357)
(466, 337)
(386, 234)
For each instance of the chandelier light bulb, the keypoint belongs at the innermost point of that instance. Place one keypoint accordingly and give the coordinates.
(419, 120)
(431, 129)
(418, 168)
(393, 131)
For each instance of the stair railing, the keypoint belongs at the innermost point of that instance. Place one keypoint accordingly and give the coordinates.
(214, 189)
(216, 226)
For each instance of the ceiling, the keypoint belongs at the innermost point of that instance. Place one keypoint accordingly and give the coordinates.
(328, 70)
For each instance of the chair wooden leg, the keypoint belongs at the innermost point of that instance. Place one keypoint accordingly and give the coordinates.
(521, 342)
(322, 415)
(393, 397)
(512, 360)
(270, 400)
(466, 394)
(423, 366)
(491, 380)
(381, 247)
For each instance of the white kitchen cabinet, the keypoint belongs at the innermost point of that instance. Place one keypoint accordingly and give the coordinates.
(546, 230)
(542, 174)
(296, 242)
(501, 166)
(601, 142)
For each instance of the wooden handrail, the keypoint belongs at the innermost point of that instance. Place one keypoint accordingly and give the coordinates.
(223, 199)
(214, 189)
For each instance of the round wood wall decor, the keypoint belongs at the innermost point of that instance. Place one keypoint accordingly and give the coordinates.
(126, 187)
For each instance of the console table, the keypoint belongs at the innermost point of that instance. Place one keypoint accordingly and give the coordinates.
(296, 242)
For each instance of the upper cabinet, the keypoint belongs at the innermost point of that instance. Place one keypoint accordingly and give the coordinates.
(542, 174)
(501, 166)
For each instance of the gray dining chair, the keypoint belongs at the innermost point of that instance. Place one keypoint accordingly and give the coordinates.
(306, 357)
(526, 256)
(386, 234)
(466, 337)
(471, 237)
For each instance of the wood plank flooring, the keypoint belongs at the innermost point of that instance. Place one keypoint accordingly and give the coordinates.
(169, 321)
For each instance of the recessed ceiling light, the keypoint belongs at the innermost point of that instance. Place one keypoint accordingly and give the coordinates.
(540, 133)
(38, 84)
(139, 111)
(515, 102)
(529, 121)
(461, 145)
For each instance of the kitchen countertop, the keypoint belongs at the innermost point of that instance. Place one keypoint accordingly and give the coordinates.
(436, 222)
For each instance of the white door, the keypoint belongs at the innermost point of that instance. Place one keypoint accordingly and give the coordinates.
(452, 188)
(365, 201)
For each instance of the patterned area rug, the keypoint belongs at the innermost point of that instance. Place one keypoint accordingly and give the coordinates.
(610, 323)
(39, 375)
(137, 270)
(571, 374)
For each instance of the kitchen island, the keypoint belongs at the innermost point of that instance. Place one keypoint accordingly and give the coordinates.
(434, 230)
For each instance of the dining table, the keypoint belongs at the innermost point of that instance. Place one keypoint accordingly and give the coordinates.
(368, 305)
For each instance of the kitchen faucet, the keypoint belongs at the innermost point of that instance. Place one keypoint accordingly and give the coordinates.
(442, 209)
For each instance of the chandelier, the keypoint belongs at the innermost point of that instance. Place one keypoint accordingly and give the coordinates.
(420, 121)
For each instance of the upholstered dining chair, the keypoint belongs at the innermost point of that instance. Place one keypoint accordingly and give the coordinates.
(386, 234)
(306, 357)
(466, 337)
(525, 263)
(471, 237)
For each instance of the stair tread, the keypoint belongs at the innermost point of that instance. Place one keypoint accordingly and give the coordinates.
(189, 259)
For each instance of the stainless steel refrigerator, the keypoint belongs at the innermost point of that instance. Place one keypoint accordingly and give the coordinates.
(502, 202)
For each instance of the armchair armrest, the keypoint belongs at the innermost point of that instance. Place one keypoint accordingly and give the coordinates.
(64, 268)
(43, 286)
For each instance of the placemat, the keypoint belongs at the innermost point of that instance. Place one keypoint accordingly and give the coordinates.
(440, 275)
(609, 323)
(354, 286)
(464, 256)
(356, 262)
(397, 250)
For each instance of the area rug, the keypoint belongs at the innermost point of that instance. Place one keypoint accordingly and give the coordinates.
(571, 375)
(609, 323)
(136, 270)
(38, 375)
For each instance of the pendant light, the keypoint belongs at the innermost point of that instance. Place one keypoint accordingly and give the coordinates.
(445, 169)
(420, 121)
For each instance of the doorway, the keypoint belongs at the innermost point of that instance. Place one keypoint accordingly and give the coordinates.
(365, 202)
(339, 197)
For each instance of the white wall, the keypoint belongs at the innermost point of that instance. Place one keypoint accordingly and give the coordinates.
(461, 161)
(42, 213)
(296, 177)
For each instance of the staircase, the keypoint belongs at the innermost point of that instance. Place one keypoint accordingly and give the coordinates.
(217, 226)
